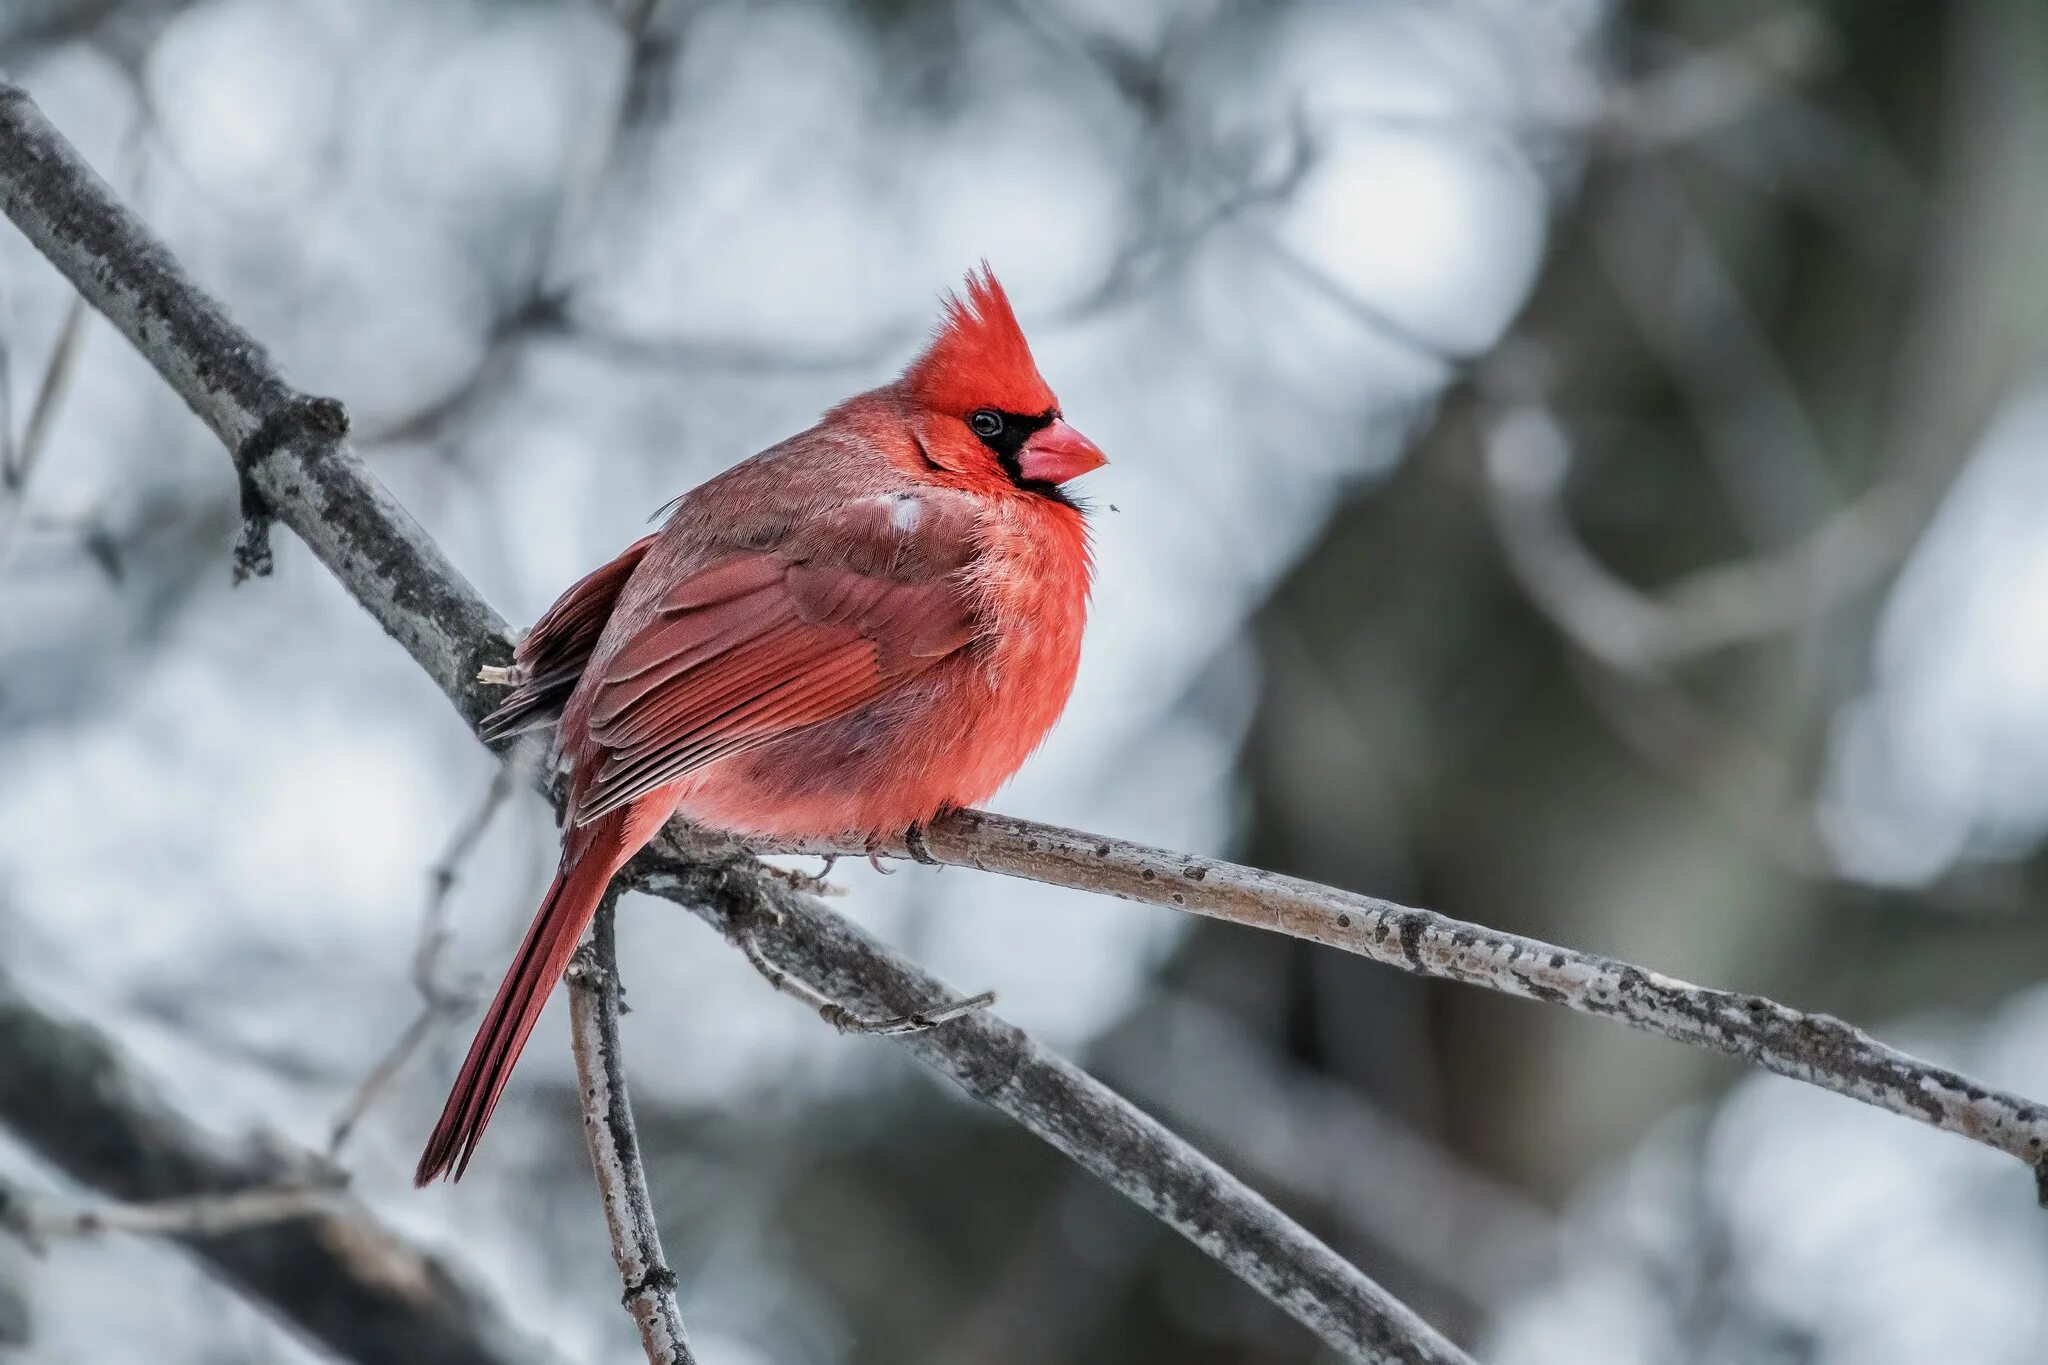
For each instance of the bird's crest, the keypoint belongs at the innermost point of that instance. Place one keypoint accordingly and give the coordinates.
(978, 356)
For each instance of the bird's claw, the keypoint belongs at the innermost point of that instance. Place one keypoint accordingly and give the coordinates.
(913, 844)
(808, 883)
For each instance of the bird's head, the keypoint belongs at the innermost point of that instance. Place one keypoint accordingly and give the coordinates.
(988, 415)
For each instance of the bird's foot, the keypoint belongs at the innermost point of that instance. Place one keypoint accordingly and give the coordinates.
(913, 844)
(809, 883)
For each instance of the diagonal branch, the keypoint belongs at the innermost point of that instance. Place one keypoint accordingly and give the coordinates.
(332, 1271)
(1816, 1048)
(1014, 1074)
(37, 1219)
(291, 451)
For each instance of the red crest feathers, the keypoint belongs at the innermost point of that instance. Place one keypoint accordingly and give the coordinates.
(978, 357)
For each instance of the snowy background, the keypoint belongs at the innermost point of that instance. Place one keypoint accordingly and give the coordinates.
(562, 261)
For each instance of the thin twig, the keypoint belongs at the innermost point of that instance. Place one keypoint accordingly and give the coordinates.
(18, 458)
(1525, 460)
(40, 1219)
(650, 1294)
(847, 1020)
(440, 1001)
(340, 1277)
(294, 450)
(516, 771)
(42, 413)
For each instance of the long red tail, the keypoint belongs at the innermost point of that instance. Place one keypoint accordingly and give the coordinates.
(550, 942)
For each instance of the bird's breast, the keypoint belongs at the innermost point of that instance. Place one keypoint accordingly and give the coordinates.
(946, 737)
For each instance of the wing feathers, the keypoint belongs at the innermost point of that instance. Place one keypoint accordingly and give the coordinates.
(675, 645)
(552, 656)
(831, 687)
(751, 647)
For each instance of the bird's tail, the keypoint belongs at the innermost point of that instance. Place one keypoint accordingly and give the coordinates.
(578, 887)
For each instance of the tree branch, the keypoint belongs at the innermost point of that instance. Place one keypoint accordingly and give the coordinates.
(291, 448)
(1816, 1048)
(292, 452)
(37, 1219)
(441, 1003)
(650, 1295)
(318, 488)
(1014, 1074)
(334, 1272)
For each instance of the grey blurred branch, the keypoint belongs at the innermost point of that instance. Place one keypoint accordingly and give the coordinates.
(38, 1219)
(18, 458)
(291, 450)
(1468, 1233)
(334, 1272)
(1527, 457)
(650, 1295)
(441, 1002)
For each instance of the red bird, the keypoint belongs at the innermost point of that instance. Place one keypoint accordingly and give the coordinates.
(849, 634)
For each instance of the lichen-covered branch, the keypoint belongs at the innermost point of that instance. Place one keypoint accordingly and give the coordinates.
(650, 1286)
(292, 453)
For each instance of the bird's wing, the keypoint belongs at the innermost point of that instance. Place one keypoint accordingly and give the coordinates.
(756, 643)
(551, 657)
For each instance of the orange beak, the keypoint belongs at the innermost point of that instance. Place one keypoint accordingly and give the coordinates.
(1058, 453)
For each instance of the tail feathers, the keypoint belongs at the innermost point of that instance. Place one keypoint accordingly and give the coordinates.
(550, 942)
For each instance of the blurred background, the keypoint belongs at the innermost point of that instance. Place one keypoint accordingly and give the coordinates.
(1578, 467)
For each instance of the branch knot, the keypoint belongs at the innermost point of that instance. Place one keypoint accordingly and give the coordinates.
(659, 1279)
(318, 419)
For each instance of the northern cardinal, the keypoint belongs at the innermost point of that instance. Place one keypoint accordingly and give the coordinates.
(849, 634)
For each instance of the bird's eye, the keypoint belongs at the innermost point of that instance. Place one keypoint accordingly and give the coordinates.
(987, 422)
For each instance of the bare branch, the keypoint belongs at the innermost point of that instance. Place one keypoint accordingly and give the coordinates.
(650, 1296)
(1014, 1074)
(322, 491)
(1302, 1131)
(1815, 1048)
(38, 1219)
(42, 412)
(838, 1015)
(440, 1002)
(292, 449)
(334, 1272)
(1526, 458)
(18, 458)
